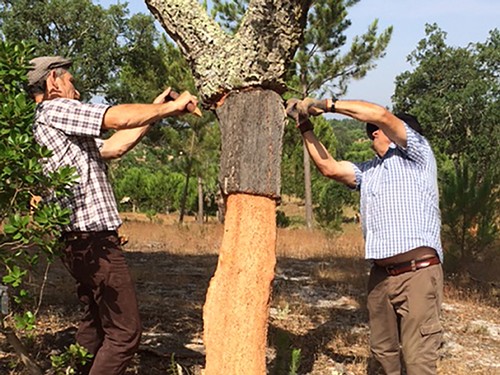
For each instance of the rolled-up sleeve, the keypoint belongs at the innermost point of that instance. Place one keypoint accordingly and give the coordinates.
(75, 118)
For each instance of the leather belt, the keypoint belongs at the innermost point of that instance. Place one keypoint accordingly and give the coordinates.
(410, 266)
(73, 236)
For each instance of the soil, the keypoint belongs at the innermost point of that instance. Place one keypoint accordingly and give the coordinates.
(317, 312)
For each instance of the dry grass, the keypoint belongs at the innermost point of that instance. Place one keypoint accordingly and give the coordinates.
(318, 303)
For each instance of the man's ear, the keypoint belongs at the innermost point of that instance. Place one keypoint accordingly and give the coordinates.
(52, 86)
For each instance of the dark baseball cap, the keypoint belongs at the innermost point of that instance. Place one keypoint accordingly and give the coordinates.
(410, 120)
(41, 67)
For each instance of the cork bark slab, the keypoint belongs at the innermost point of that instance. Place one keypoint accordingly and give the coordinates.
(237, 305)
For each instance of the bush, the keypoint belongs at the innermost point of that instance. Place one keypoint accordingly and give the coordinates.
(29, 230)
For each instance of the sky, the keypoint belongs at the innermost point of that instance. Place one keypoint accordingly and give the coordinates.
(464, 21)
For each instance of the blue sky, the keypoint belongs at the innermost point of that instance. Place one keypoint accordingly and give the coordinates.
(464, 21)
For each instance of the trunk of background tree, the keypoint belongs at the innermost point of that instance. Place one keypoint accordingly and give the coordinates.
(307, 189)
(237, 305)
(182, 206)
(307, 177)
(200, 200)
(189, 168)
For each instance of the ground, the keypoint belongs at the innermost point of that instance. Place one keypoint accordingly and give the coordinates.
(317, 311)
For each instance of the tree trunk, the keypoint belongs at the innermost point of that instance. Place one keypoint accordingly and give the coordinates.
(237, 306)
(200, 200)
(182, 208)
(227, 70)
(307, 189)
(189, 168)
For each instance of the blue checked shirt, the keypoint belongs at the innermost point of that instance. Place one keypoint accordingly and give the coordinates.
(71, 129)
(400, 199)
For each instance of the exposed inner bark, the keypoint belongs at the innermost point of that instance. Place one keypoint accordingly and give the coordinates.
(237, 306)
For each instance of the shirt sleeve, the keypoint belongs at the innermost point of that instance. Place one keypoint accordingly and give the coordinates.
(99, 143)
(359, 168)
(75, 118)
(417, 147)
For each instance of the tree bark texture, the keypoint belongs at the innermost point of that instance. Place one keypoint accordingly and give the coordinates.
(252, 124)
(240, 76)
(237, 307)
(257, 55)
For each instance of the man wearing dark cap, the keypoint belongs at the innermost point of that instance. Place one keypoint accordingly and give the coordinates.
(401, 225)
(110, 328)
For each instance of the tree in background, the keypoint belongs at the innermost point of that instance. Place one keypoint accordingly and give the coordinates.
(455, 92)
(349, 142)
(320, 66)
(125, 60)
(79, 29)
(30, 229)
(150, 63)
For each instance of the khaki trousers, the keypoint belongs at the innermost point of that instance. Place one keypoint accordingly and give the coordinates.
(110, 328)
(404, 313)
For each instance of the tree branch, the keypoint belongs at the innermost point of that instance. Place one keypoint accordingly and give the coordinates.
(257, 55)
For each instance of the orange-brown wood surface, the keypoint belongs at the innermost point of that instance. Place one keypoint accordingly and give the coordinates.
(237, 305)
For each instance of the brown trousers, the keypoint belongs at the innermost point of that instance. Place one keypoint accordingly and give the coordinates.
(404, 315)
(110, 328)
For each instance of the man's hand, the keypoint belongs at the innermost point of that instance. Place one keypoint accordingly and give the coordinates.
(184, 102)
(313, 107)
(291, 109)
(163, 97)
(302, 120)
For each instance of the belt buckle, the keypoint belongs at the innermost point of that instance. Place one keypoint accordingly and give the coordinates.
(413, 265)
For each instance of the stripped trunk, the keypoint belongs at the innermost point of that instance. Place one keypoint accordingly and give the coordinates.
(241, 77)
(237, 306)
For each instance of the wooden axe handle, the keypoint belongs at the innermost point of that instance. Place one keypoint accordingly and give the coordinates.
(172, 95)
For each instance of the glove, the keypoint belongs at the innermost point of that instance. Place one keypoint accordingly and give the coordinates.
(312, 106)
(291, 109)
(302, 120)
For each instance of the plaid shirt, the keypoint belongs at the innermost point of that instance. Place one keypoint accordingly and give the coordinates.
(70, 129)
(400, 199)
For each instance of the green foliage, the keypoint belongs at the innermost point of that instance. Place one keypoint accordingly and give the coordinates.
(29, 230)
(67, 362)
(229, 14)
(455, 91)
(79, 29)
(295, 362)
(470, 210)
(332, 197)
(319, 65)
(282, 221)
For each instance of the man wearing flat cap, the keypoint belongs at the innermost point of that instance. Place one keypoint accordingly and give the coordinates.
(401, 225)
(110, 328)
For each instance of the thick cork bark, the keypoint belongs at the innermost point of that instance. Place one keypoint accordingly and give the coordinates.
(237, 305)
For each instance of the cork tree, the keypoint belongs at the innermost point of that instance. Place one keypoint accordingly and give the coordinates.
(240, 77)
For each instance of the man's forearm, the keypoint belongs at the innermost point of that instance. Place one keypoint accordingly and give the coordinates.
(122, 142)
(129, 116)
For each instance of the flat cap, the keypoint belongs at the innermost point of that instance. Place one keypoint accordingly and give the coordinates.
(41, 67)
